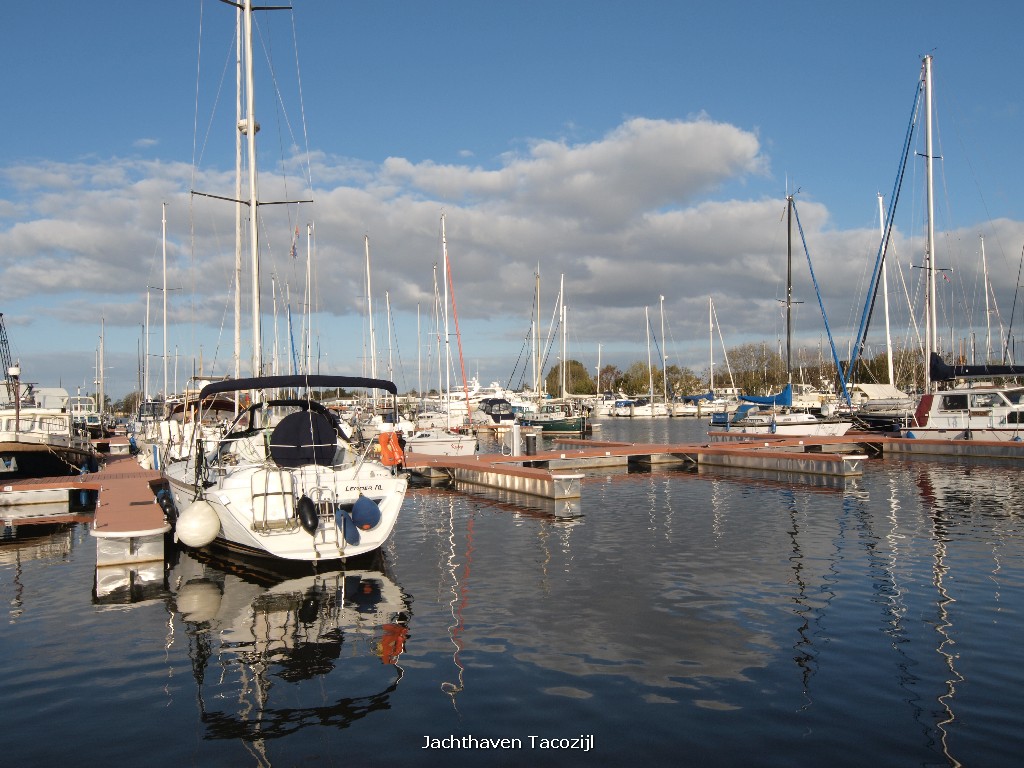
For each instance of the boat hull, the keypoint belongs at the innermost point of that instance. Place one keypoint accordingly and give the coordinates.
(269, 525)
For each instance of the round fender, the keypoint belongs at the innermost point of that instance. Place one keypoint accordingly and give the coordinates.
(365, 513)
(308, 517)
(198, 524)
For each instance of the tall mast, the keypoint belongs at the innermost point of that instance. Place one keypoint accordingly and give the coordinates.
(99, 373)
(251, 127)
(931, 327)
(711, 344)
(369, 312)
(145, 356)
(650, 369)
(163, 209)
(988, 315)
(536, 335)
(447, 339)
(789, 288)
(387, 315)
(309, 299)
(561, 312)
(664, 363)
(238, 193)
(885, 295)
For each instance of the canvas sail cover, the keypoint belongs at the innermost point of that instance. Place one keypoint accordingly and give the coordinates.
(783, 398)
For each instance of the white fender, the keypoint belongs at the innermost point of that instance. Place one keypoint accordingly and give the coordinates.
(198, 524)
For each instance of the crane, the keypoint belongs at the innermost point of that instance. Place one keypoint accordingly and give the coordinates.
(8, 363)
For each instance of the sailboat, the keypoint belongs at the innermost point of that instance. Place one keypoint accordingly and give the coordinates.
(774, 414)
(646, 407)
(976, 409)
(561, 415)
(438, 440)
(286, 480)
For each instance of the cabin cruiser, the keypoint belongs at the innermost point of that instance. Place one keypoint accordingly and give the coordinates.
(973, 409)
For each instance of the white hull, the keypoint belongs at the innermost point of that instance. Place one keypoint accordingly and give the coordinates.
(789, 425)
(440, 442)
(977, 413)
(652, 411)
(256, 507)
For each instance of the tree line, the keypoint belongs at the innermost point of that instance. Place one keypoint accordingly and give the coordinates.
(755, 369)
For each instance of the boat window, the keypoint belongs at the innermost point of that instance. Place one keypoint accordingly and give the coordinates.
(953, 403)
(983, 400)
(1015, 417)
(1015, 396)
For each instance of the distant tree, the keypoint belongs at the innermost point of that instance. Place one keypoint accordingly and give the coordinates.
(577, 380)
(636, 381)
(683, 381)
(610, 378)
(127, 405)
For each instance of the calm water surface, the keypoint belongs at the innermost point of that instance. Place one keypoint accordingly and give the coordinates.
(671, 617)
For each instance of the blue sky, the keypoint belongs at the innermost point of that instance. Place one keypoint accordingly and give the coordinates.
(640, 149)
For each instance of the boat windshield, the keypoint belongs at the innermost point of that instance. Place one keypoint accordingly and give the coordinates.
(1015, 396)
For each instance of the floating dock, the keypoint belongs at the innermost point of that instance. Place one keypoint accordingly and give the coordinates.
(129, 525)
(545, 473)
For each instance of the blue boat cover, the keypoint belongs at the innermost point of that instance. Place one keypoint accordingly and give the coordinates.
(695, 398)
(784, 398)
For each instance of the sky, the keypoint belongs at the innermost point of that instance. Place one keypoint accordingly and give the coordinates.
(637, 153)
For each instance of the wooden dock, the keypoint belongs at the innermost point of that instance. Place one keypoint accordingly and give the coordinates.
(546, 473)
(129, 525)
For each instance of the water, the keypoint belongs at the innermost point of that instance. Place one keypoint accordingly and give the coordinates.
(713, 618)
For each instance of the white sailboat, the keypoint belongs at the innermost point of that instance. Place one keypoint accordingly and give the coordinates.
(975, 408)
(774, 414)
(285, 481)
(443, 440)
(647, 407)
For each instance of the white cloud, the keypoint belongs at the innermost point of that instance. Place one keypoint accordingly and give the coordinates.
(638, 213)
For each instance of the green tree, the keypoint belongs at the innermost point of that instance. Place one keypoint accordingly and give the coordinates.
(577, 380)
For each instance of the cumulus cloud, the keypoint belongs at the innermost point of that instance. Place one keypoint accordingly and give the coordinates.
(648, 209)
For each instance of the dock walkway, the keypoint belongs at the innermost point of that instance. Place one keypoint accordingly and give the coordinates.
(544, 473)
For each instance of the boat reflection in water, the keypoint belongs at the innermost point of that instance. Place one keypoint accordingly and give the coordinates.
(272, 653)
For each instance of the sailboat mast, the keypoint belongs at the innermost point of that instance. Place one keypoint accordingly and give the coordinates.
(369, 311)
(309, 299)
(101, 395)
(238, 193)
(561, 312)
(163, 217)
(885, 295)
(250, 131)
(931, 327)
(145, 356)
(387, 314)
(447, 339)
(789, 288)
(711, 344)
(536, 335)
(664, 362)
(988, 314)
(650, 369)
